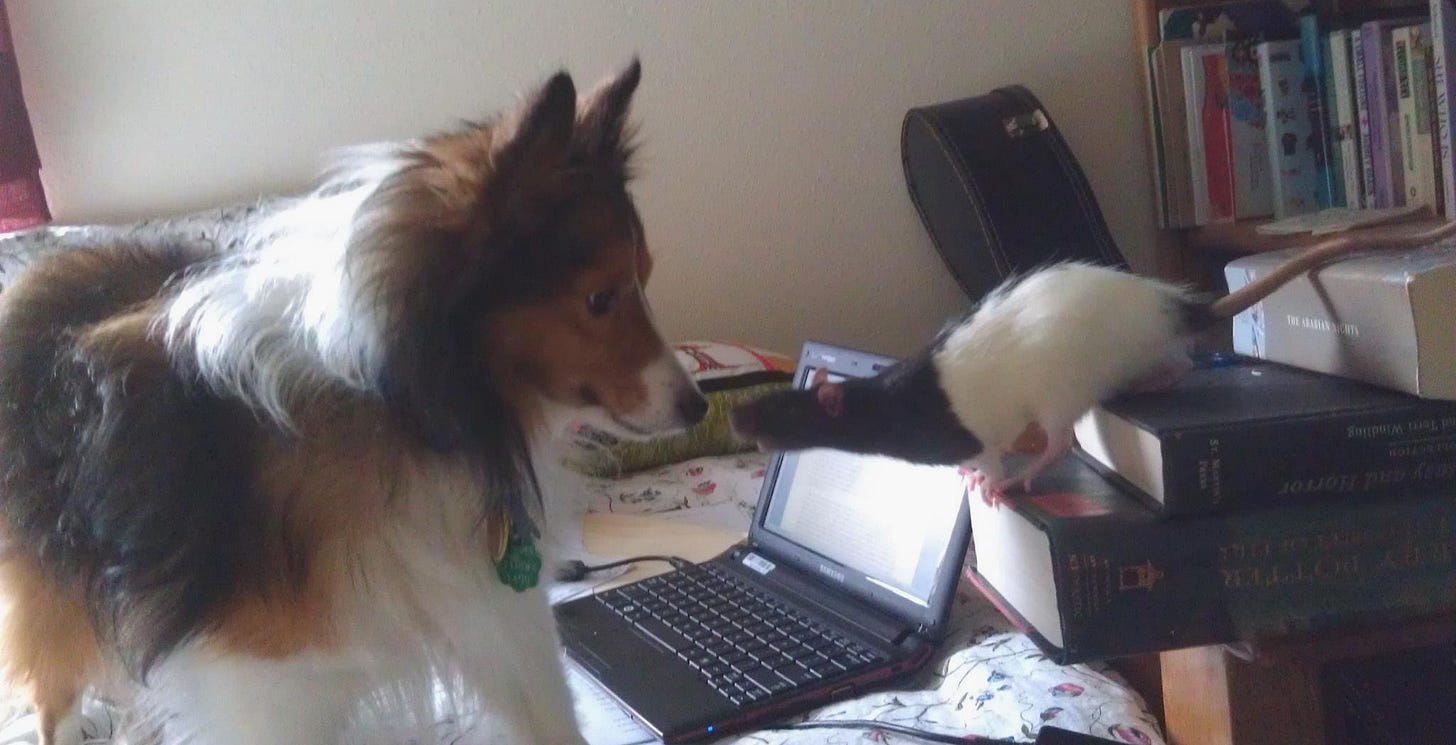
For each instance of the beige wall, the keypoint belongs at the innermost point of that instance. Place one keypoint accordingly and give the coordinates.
(772, 187)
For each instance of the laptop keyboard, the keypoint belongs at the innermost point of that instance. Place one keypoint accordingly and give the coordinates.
(744, 643)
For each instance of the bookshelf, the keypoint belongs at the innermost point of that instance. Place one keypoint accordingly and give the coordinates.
(1270, 692)
(1196, 254)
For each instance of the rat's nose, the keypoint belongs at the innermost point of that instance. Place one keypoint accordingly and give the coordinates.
(691, 408)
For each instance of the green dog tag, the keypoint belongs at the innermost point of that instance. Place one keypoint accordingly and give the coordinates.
(520, 567)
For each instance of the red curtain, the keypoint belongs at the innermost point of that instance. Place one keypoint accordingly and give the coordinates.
(22, 201)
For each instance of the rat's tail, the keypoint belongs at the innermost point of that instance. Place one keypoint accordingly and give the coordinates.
(1385, 237)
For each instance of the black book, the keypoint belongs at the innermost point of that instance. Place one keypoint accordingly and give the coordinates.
(1089, 572)
(1242, 432)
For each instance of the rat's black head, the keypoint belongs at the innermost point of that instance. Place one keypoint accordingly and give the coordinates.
(900, 413)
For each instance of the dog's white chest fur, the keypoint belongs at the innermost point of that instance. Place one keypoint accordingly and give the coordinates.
(430, 635)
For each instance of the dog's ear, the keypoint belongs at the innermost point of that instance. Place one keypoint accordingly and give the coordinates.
(421, 257)
(602, 132)
(537, 140)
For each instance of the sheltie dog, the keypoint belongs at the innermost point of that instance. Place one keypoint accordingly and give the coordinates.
(271, 484)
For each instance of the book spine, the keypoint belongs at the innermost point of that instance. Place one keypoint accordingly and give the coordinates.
(1433, 127)
(1293, 147)
(1379, 91)
(1125, 589)
(1312, 51)
(1194, 93)
(1253, 196)
(1370, 455)
(1173, 123)
(1217, 137)
(1362, 107)
(1394, 163)
(1344, 133)
(1359, 327)
(1416, 149)
(1155, 137)
(1443, 45)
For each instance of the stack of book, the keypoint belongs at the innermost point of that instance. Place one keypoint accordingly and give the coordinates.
(1261, 110)
(1251, 500)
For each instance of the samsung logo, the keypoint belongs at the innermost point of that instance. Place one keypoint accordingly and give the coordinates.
(831, 572)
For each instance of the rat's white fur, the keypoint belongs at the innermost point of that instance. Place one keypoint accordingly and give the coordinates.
(1041, 350)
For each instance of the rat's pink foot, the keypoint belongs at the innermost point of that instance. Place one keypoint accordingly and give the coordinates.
(1059, 441)
(992, 496)
(981, 472)
(1008, 486)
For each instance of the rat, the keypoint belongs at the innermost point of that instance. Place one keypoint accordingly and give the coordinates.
(1034, 356)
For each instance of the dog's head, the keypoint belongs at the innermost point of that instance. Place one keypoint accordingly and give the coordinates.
(510, 262)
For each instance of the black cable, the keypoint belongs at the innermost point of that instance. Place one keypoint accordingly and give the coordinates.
(897, 729)
(576, 570)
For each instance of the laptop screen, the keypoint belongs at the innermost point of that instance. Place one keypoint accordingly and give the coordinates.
(894, 528)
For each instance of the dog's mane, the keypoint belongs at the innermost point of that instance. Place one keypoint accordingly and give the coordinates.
(284, 315)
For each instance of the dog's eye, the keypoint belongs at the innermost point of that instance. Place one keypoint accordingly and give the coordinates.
(601, 303)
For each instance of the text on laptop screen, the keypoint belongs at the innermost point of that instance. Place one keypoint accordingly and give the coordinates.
(887, 518)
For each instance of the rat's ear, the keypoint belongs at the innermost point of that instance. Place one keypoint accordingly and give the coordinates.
(831, 398)
(821, 376)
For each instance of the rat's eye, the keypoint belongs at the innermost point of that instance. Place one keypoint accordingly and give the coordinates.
(601, 303)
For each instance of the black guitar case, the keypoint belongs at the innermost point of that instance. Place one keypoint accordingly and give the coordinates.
(999, 190)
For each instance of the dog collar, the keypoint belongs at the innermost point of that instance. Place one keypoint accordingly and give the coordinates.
(513, 549)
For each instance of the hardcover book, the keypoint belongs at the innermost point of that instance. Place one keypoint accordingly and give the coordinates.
(1253, 194)
(1314, 52)
(1244, 433)
(1344, 127)
(1383, 317)
(1294, 125)
(1417, 147)
(1090, 573)
(1389, 170)
(1362, 109)
(1167, 74)
(1443, 45)
(1210, 143)
(1174, 28)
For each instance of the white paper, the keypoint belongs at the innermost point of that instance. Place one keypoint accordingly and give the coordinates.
(1337, 219)
(603, 721)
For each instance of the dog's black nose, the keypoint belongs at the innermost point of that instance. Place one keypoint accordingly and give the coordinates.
(692, 407)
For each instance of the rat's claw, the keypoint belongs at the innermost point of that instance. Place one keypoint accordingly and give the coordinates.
(993, 497)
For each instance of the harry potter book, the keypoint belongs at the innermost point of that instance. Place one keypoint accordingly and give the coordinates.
(1089, 573)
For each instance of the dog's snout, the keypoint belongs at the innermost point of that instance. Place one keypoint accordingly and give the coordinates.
(692, 407)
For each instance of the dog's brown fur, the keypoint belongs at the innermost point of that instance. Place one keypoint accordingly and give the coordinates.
(485, 250)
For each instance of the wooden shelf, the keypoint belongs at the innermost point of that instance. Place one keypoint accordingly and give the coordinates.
(1195, 255)
(1240, 238)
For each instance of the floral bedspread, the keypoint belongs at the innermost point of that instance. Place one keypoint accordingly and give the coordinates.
(988, 679)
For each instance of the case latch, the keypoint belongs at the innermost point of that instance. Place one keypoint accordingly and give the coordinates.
(1022, 125)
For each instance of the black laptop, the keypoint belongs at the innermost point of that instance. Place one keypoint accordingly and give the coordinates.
(844, 581)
